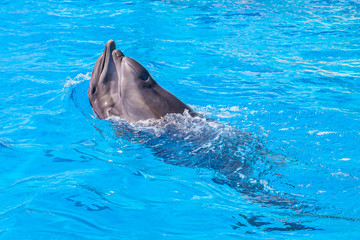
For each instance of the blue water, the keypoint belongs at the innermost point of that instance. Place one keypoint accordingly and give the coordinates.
(276, 155)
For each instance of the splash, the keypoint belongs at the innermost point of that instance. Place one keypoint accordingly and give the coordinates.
(70, 82)
(237, 158)
(75, 89)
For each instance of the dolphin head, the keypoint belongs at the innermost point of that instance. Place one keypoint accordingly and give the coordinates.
(120, 86)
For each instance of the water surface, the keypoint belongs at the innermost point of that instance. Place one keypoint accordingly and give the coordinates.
(276, 155)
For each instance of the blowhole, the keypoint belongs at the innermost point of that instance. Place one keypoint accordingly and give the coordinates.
(93, 91)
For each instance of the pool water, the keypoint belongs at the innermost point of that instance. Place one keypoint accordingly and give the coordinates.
(274, 155)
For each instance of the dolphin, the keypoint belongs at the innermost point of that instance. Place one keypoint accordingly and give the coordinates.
(120, 86)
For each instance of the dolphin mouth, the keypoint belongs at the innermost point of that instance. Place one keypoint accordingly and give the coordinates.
(118, 55)
(110, 53)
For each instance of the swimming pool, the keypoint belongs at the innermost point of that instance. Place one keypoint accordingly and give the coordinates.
(276, 155)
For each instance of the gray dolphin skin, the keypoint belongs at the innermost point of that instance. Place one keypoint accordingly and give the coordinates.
(120, 86)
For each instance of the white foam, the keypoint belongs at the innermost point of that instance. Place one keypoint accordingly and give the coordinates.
(76, 80)
(324, 133)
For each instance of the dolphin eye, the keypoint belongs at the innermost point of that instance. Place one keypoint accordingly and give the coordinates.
(149, 82)
(144, 75)
(93, 90)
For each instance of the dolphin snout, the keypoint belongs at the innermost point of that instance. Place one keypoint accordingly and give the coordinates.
(110, 46)
(111, 53)
(117, 54)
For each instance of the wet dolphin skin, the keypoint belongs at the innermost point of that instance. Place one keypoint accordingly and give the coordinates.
(120, 86)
